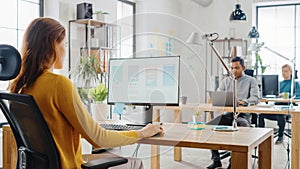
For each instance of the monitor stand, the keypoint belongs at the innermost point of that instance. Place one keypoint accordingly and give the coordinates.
(148, 114)
(146, 118)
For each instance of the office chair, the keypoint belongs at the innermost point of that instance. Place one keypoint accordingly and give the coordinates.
(36, 147)
(250, 72)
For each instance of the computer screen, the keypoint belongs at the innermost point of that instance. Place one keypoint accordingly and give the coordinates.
(144, 81)
(270, 85)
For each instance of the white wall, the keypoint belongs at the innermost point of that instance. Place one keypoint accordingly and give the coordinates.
(215, 17)
(170, 21)
(176, 19)
(51, 8)
(65, 10)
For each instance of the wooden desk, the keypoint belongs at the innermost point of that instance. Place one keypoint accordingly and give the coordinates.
(241, 143)
(279, 100)
(295, 150)
(9, 152)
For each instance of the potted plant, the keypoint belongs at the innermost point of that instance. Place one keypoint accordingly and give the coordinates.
(196, 124)
(196, 116)
(100, 15)
(98, 94)
(255, 47)
(259, 64)
(85, 76)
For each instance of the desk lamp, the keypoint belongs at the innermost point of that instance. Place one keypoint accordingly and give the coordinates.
(197, 39)
(254, 47)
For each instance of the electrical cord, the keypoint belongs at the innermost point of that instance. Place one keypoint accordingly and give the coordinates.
(288, 140)
(135, 153)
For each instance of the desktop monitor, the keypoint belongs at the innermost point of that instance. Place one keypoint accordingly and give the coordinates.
(270, 85)
(144, 81)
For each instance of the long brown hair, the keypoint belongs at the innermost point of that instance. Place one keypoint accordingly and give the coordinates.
(38, 51)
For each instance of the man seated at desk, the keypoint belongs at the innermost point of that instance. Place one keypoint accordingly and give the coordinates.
(285, 86)
(247, 93)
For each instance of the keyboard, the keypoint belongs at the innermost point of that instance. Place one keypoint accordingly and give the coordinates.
(121, 127)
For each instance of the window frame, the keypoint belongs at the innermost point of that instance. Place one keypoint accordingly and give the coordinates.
(294, 45)
(4, 84)
(133, 4)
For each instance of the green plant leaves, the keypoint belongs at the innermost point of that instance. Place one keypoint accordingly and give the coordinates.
(101, 12)
(259, 63)
(86, 73)
(99, 93)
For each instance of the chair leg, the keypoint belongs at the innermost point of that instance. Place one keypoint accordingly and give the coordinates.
(224, 154)
(288, 134)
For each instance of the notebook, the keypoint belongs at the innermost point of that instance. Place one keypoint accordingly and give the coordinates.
(221, 98)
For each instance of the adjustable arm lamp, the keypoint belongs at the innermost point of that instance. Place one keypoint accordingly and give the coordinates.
(197, 39)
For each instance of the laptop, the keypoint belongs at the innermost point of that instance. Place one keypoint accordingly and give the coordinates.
(221, 98)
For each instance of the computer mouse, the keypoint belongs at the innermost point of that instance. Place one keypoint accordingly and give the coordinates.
(245, 104)
(158, 134)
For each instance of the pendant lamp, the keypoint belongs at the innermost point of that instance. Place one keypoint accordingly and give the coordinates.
(238, 14)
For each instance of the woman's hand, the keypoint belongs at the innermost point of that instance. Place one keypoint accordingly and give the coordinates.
(150, 130)
(242, 103)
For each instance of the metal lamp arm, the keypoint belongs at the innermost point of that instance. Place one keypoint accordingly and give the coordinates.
(235, 114)
(290, 60)
(278, 54)
(220, 58)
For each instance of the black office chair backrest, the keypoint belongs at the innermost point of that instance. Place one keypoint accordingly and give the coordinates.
(10, 62)
(33, 134)
(249, 72)
(35, 144)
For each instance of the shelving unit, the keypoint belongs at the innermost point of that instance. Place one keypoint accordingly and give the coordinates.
(224, 46)
(91, 37)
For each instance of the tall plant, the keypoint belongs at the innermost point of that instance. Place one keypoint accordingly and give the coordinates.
(85, 75)
(259, 63)
(255, 47)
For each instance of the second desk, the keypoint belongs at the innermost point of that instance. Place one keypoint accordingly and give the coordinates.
(295, 112)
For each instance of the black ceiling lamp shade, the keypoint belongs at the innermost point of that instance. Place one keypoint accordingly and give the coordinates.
(238, 14)
(253, 33)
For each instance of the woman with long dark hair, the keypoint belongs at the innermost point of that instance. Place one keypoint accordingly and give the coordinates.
(43, 50)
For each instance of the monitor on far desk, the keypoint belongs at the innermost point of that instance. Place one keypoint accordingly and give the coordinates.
(144, 81)
(269, 86)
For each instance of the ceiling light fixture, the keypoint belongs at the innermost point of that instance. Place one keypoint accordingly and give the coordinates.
(253, 33)
(238, 14)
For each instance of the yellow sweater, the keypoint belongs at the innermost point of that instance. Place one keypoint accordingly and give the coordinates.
(68, 120)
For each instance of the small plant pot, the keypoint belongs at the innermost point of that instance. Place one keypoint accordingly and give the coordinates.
(101, 17)
(196, 118)
(196, 125)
